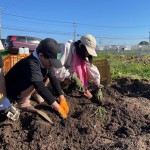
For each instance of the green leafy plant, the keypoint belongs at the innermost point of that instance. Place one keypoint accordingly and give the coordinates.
(101, 113)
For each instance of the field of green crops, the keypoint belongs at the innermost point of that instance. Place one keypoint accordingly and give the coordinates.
(128, 65)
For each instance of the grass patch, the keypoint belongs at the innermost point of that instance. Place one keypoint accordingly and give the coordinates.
(128, 65)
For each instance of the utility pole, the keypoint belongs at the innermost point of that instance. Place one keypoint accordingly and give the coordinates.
(74, 31)
(149, 42)
(0, 24)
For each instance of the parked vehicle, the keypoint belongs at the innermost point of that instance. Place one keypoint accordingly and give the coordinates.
(14, 42)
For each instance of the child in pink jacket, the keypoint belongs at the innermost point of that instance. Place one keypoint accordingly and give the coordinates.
(77, 64)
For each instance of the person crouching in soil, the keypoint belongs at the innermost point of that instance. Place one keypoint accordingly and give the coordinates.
(77, 65)
(28, 77)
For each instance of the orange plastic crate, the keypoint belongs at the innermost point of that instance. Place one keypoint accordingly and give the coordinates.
(104, 69)
(11, 60)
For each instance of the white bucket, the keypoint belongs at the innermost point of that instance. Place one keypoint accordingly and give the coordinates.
(21, 50)
(26, 50)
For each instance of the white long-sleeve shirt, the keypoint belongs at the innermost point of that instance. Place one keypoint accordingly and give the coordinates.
(67, 51)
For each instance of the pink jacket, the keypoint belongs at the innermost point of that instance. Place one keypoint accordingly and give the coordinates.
(71, 63)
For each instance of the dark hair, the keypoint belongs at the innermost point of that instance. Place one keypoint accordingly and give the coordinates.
(81, 51)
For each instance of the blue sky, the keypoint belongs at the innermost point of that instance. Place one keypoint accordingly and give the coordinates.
(110, 21)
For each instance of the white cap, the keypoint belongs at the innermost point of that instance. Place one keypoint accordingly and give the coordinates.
(90, 43)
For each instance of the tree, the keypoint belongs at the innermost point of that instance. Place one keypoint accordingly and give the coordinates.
(143, 43)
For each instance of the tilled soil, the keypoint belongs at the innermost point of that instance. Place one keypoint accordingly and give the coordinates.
(121, 123)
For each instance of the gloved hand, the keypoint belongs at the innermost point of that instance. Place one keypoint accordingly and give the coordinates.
(78, 83)
(62, 113)
(63, 104)
(98, 95)
(5, 104)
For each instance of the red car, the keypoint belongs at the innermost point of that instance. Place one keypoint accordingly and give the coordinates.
(14, 42)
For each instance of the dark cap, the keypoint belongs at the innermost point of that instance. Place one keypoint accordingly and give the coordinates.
(49, 47)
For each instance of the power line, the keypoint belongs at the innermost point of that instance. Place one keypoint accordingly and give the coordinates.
(38, 19)
(82, 24)
(0, 23)
(66, 33)
(74, 24)
(37, 31)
